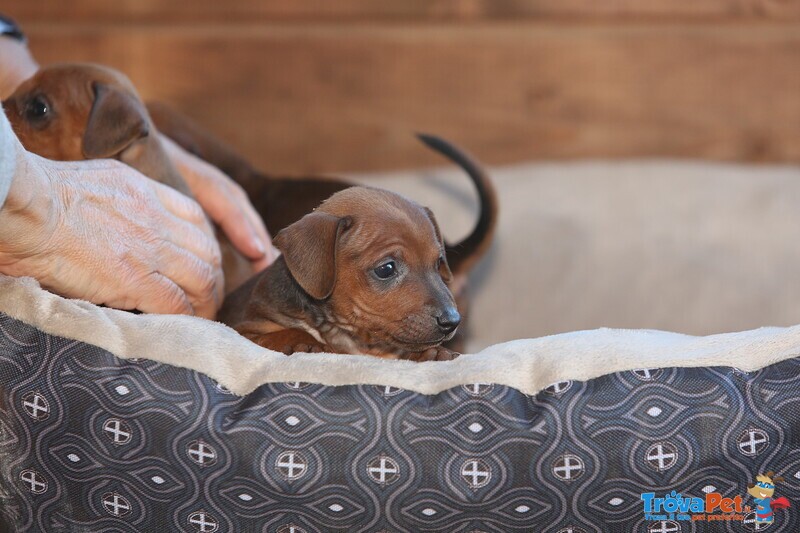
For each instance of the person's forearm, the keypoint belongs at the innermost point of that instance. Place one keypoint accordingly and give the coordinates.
(8, 157)
(16, 65)
(26, 194)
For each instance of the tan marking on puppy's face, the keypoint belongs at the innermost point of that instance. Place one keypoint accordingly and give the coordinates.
(388, 273)
(50, 111)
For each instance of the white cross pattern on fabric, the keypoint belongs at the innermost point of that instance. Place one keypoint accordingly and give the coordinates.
(34, 480)
(752, 442)
(664, 526)
(35, 405)
(558, 388)
(572, 529)
(118, 431)
(203, 522)
(201, 453)
(388, 391)
(383, 470)
(288, 468)
(297, 385)
(291, 528)
(647, 374)
(662, 456)
(565, 465)
(116, 504)
(476, 473)
(478, 389)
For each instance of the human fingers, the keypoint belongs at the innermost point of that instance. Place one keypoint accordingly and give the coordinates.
(158, 294)
(201, 282)
(229, 210)
(184, 231)
(225, 202)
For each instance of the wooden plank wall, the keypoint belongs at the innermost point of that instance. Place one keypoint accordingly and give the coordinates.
(327, 86)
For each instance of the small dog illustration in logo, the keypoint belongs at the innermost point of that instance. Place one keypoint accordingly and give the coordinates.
(762, 492)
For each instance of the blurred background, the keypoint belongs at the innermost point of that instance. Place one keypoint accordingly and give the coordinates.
(644, 149)
(332, 86)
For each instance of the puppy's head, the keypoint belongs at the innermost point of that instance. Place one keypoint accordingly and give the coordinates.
(71, 112)
(376, 263)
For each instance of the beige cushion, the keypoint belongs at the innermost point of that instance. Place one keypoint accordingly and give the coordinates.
(241, 366)
(696, 248)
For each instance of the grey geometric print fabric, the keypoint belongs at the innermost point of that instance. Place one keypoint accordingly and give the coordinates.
(93, 443)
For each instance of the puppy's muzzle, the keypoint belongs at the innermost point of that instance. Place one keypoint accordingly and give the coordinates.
(448, 320)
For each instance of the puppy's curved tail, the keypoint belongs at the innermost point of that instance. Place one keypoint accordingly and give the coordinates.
(462, 256)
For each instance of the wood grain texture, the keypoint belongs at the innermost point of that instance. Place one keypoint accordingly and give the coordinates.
(349, 97)
(252, 11)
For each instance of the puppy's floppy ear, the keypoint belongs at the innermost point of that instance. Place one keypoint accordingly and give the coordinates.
(117, 119)
(444, 268)
(309, 249)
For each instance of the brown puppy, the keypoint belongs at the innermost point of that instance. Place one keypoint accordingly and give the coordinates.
(71, 112)
(364, 273)
(283, 201)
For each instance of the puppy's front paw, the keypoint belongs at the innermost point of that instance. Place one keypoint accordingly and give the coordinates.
(304, 347)
(439, 353)
(287, 341)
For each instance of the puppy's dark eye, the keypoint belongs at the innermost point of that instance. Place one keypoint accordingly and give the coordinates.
(37, 108)
(386, 270)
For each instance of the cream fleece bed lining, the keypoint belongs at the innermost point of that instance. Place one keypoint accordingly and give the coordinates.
(526, 365)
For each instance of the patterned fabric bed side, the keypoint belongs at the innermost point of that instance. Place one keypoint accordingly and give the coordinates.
(91, 442)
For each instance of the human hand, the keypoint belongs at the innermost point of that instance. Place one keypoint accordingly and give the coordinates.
(102, 232)
(226, 203)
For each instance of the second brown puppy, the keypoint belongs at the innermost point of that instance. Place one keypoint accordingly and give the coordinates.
(71, 112)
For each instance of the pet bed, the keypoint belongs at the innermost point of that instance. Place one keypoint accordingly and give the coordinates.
(116, 422)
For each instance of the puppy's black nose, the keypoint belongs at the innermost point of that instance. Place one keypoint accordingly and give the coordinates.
(449, 319)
